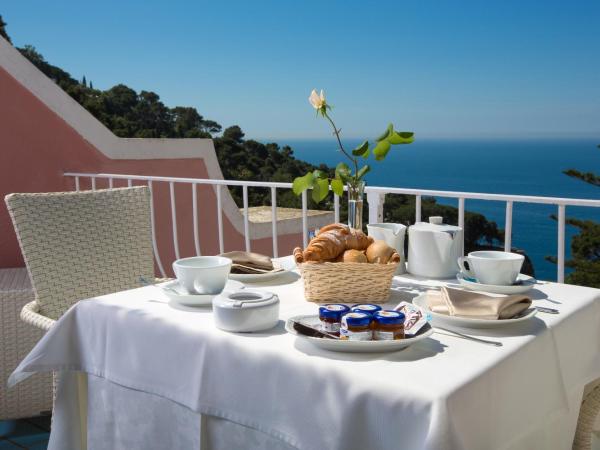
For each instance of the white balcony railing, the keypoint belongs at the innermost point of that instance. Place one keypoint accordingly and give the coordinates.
(375, 199)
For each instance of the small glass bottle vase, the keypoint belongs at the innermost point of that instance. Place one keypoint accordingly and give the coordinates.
(355, 204)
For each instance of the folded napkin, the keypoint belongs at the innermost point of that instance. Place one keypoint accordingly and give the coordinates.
(248, 262)
(456, 302)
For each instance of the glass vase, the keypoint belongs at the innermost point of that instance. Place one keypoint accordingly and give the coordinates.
(355, 204)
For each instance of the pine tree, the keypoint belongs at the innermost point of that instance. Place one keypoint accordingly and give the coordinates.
(3, 30)
(585, 246)
(83, 81)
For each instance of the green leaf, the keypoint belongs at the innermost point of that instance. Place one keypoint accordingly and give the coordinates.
(337, 186)
(366, 154)
(361, 149)
(390, 130)
(319, 174)
(381, 150)
(320, 189)
(301, 184)
(401, 137)
(363, 171)
(342, 171)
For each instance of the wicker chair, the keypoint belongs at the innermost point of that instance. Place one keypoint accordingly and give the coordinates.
(79, 245)
(32, 397)
(588, 415)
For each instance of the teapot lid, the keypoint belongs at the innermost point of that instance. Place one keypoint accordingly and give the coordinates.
(435, 225)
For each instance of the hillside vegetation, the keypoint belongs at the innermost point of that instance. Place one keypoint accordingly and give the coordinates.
(129, 113)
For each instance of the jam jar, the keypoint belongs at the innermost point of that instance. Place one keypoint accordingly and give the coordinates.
(368, 308)
(388, 325)
(356, 326)
(331, 316)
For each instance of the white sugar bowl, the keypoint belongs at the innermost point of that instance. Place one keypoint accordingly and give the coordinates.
(246, 311)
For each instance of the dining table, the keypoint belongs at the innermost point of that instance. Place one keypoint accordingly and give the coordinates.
(137, 371)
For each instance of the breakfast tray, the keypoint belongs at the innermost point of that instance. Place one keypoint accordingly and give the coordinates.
(346, 282)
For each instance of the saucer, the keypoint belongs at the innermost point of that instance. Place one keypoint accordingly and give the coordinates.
(523, 285)
(185, 298)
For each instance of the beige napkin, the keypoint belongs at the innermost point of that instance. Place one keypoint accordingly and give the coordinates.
(248, 262)
(456, 302)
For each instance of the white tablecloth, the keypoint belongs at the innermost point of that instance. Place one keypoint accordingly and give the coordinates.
(442, 393)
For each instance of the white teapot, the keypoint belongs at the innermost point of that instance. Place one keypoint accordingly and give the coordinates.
(393, 235)
(433, 248)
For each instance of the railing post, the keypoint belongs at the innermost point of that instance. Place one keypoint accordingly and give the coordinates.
(417, 208)
(560, 276)
(246, 218)
(336, 208)
(174, 218)
(508, 227)
(461, 221)
(195, 214)
(304, 219)
(375, 200)
(220, 218)
(274, 221)
(153, 225)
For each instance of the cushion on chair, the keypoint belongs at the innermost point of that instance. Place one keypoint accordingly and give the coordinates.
(79, 245)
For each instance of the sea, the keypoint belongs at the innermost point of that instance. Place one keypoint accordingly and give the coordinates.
(500, 166)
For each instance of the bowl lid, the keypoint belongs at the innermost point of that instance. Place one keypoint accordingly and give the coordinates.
(246, 298)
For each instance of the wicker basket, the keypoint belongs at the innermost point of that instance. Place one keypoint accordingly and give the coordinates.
(347, 282)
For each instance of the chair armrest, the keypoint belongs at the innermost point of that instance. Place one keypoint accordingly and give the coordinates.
(31, 314)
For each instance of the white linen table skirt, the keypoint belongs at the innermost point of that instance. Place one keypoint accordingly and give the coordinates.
(442, 393)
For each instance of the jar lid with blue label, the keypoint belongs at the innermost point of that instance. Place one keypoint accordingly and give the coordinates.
(333, 311)
(357, 319)
(389, 317)
(368, 308)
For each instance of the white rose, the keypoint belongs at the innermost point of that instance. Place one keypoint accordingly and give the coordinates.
(316, 100)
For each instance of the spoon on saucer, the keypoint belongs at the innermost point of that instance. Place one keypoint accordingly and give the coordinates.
(147, 282)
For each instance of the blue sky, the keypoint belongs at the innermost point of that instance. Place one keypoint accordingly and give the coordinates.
(456, 69)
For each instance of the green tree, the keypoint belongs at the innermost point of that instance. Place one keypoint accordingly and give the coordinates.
(235, 133)
(585, 246)
(3, 30)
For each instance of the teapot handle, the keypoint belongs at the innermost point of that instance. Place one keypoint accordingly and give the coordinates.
(463, 268)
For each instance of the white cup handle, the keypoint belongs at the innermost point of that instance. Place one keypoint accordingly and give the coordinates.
(461, 264)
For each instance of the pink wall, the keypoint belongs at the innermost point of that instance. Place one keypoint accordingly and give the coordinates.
(37, 147)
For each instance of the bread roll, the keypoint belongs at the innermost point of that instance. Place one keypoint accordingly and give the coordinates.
(379, 252)
(353, 256)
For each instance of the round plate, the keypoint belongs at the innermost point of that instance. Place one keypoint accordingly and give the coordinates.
(465, 322)
(184, 298)
(335, 345)
(523, 285)
(285, 263)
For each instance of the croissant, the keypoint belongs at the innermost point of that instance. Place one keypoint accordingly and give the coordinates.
(298, 257)
(332, 240)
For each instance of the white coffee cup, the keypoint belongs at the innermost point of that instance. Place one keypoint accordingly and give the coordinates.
(492, 267)
(202, 274)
